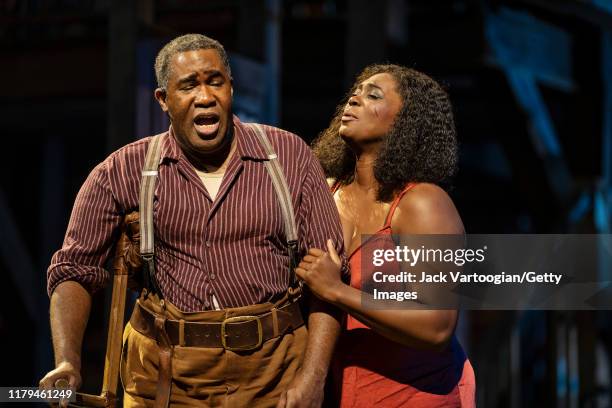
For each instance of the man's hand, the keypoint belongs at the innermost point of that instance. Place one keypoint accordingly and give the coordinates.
(64, 371)
(320, 270)
(303, 393)
(69, 310)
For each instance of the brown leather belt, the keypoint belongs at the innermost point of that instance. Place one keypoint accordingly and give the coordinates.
(234, 333)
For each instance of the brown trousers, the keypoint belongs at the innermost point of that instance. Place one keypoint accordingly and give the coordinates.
(211, 377)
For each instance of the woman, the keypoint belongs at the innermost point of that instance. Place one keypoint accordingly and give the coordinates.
(391, 148)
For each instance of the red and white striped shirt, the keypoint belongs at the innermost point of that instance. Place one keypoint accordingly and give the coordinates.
(232, 247)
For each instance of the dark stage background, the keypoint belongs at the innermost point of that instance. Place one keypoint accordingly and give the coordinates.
(531, 85)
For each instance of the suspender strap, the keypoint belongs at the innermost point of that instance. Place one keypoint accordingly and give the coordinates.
(147, 191)
(147, 252)
(284, 198)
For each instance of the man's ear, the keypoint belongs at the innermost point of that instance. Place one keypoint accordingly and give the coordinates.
(160, 95)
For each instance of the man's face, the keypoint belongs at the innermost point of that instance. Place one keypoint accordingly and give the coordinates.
(198, 99)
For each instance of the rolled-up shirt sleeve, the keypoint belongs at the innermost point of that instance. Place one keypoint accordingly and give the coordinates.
(320, 215)
(89, 237)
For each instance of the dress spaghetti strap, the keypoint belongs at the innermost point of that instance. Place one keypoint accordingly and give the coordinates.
(335, 187)
(395, 203)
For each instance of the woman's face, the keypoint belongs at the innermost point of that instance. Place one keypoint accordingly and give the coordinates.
(371, 110)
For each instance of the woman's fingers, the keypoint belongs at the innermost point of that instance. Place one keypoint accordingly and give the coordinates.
(301, 272)
(309, 258)
(316, 252)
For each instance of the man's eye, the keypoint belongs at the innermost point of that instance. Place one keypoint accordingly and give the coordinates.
(372, 96)
(187, 87)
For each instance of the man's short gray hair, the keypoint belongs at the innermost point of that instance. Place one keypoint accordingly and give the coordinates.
(187, 42)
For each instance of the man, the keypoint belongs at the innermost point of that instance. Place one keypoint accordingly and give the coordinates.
(219, 244)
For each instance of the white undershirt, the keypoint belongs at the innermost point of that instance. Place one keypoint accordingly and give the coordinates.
(212, 182)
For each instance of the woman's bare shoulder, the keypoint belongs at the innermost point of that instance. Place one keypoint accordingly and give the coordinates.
(426, 209)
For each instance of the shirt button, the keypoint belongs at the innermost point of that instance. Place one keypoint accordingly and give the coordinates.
(208, 244)
(213, 276)
(207, 304)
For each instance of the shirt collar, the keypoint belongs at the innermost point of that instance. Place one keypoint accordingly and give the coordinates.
(170, 149)
(248, 145)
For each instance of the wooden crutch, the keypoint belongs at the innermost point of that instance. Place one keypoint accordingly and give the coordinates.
(127, 265)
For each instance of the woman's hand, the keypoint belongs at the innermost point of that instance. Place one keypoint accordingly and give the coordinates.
(320, 270)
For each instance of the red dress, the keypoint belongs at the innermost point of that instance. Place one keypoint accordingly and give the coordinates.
(370, 370)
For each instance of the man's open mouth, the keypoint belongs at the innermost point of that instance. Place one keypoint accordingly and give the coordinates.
(206, 124)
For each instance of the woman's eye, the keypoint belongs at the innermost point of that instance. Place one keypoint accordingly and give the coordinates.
(372, 96)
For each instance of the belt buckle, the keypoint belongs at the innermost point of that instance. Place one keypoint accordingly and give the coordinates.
(238, 319)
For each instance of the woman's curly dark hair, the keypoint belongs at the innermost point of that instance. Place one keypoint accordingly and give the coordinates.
(420, 147)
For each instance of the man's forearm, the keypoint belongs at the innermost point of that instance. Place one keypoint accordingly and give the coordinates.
(70, 307)
(323, 331)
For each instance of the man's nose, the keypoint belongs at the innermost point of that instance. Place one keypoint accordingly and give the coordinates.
(204, 97)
